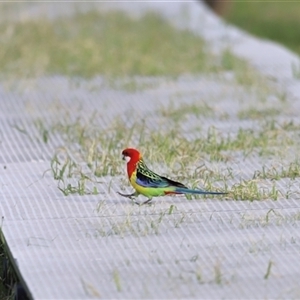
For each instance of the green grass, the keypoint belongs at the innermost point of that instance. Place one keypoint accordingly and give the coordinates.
(92, 44)
(218, 273)
(6, 284)
(117, 280)
(271, 218)
(251, 190)
(88, 153)
(4, 291)
(275, 20)
(90, 290)
(117, 47)
(137, 223)
(111, 44)
(258, 113)
(183, 111)
(268, 272)
(292, 170)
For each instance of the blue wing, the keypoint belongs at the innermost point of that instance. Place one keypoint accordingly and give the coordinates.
(147, 178)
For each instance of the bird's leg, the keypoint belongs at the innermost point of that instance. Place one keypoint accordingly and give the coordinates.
(146, 202)
(131, 196)
(135, 194)
(128, 195)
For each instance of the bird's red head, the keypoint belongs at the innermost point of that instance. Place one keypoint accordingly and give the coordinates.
(132, 156)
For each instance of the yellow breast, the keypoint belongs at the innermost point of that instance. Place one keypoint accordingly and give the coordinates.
(138, 188)
(146, 191)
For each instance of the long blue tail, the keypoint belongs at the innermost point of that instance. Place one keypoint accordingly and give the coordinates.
(180, 190)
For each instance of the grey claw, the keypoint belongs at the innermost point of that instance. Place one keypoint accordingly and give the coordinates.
(126, 195)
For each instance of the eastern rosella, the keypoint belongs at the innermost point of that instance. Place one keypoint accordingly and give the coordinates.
(150, 184)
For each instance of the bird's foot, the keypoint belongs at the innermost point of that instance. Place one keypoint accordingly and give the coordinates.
(130, 196)
(145, 202)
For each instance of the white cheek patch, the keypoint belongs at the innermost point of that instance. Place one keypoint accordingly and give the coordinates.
(127, 158)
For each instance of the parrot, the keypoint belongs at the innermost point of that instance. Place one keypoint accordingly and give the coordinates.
(150, 184)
